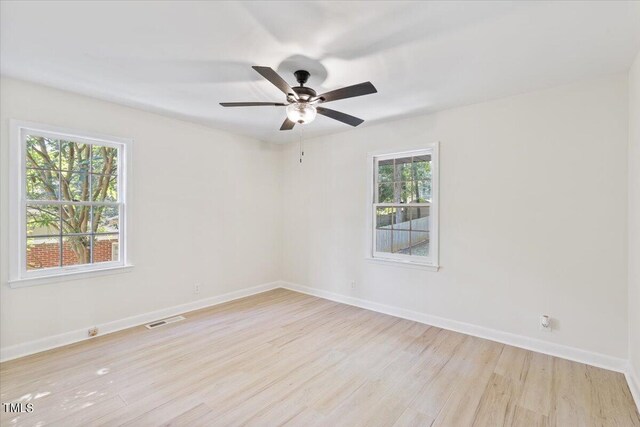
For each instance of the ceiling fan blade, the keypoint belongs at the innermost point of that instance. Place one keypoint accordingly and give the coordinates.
(348, 92)
(287, 124)
(276, 80)
(341, 117)
(252, 104)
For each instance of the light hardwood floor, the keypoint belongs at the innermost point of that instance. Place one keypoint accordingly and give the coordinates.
(286, 358)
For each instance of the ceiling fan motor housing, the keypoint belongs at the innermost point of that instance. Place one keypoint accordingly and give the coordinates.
(304, 93)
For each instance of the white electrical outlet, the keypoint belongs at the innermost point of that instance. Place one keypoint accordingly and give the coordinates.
(353, 284)
(545, 323)
(196, 289)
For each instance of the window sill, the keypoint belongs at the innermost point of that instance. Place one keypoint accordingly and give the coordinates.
(400, 263)
(69, 275)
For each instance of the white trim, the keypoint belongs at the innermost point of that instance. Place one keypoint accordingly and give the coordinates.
(69, 275)
(48, 343)
(18, 275)
(527, 343)
(634, 383)
(79, 135)
(399, 259)
(402, 263)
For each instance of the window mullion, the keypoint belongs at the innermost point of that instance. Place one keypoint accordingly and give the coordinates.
(70, 202)
(376, 184)
(407, 205)
(60, 240)
(410, 229)
(91, 234)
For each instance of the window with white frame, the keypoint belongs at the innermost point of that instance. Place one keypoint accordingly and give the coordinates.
(405, 210)
(69, 202)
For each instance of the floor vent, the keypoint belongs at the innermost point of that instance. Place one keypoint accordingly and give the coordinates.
(163, 322)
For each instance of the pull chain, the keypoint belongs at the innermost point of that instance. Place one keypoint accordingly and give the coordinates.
(301, 148)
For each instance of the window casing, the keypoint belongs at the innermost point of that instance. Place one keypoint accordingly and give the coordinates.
(404, 206)
(68, 203)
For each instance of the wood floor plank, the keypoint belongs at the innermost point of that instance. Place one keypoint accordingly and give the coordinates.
(472, 374)
(537, 383)
(284, 358)
(523, 417)
(190, 417)
(412, 418)
(498, 403)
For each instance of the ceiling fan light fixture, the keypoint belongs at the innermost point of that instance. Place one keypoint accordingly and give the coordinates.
(301, 112)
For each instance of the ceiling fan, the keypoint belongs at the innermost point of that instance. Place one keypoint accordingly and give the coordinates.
(303, 102)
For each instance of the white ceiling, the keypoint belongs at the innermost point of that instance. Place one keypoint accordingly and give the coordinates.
(183, 58)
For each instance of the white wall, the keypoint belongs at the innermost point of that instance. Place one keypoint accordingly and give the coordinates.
(205, 208)
(533, 215)
(634, 222)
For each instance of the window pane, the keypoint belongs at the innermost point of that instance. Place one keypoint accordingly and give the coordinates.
(76, 219)
(76, 250)
(43, 252)
(104, 188)
(106, 248)
(422, 168)
(43, 220)
(106, 219)
(395, 192)
(75, 156)
(419, 218)
(75, 186)
(105, 160)
(392, 229)
(401, 241)
(411, 243)
(385, 170)
(384, 217)
(423, 191)
(419, 243)
(407, 192)
(42, 153)
(401, 219)
(403, 169)
(396, 217)
(393, 241)
(42, 184)
(384, 240)
(385, 192)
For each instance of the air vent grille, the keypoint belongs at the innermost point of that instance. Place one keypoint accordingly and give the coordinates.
(163, 322)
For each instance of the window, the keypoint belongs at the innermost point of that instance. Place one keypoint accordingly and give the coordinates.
(405, 209)
(69, 198)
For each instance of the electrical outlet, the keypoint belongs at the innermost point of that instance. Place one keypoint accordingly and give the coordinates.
(92, 332)
(196, 289)
(353, 284)
(545, 323)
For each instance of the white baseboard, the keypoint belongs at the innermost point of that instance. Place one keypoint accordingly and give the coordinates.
(527, 343)
(36, 346)
(634, 384)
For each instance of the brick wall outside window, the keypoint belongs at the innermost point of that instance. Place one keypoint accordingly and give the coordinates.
(46, 255)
